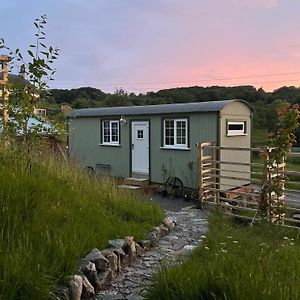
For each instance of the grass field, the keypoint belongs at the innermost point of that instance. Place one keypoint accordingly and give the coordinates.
(236, 262)
(52, 215)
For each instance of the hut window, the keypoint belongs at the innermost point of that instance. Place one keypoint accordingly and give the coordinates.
(110, 132)
(236, 128)
(175, 133)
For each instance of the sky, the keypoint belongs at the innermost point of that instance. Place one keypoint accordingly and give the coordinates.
(142, 45)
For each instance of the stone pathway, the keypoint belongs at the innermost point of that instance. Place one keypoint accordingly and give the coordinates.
(130, 283)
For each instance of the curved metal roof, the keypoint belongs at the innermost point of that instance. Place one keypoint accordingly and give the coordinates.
(211, 106)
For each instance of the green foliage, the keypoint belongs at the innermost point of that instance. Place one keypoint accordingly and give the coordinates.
(272, 206)
(52, 215)
(118, 98)
(38, 68)
(284, 138)
(236, 262)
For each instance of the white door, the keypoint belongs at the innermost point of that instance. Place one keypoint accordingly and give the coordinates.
(140, 147)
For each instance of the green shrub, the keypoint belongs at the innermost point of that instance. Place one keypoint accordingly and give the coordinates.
(51, 215)
(236, 262)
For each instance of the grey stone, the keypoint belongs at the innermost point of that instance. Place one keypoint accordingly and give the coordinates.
(89, 270)
(112, 297)
(168, 222)
(121, 255)
(88, 291)
(75, 285)
(98, 259)
(117, 243)
(129, 249)
(60, 293)
(113, 261)
(164, 230)
(157, 231)
(154, 240)
(189, 247)
(119, 251)
(139, 249)
(146, 244)
(105, 278)
(129, 246)
(86, 266)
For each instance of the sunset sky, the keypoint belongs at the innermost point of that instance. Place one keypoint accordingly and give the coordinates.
(143, 45)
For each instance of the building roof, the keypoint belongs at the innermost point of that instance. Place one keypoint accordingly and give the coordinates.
(211, 106)
(16, 79)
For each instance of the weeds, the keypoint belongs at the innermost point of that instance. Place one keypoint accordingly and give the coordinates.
(236, 262)
(51, 215)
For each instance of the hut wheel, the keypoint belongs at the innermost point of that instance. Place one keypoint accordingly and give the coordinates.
(174, 186)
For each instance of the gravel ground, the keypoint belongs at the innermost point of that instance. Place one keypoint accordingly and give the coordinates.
(190, 227)
(171, 204)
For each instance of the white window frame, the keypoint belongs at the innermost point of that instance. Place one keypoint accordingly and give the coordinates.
(238, 132)
(110, 142)
(175, 145)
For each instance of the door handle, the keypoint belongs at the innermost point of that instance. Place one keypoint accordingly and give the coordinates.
(132, 146)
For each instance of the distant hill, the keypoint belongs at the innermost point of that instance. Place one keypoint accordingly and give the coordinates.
(92, 97)
(263, 103)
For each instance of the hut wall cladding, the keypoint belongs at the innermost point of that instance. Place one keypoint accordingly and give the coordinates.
(235, 111)
(86, 148)
(181, 163)
(164, 163)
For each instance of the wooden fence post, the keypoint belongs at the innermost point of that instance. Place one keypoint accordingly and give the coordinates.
(214, 173)
(273, 199)
(4, 60)
(200, 173)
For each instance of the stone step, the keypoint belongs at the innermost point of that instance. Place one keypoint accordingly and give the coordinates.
(129, 187)
(143, 183)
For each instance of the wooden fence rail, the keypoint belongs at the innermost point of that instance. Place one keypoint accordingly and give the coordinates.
(219, 183)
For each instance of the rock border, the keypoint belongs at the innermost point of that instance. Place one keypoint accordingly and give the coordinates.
(100, 267)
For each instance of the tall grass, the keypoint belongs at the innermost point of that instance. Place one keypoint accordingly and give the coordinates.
(236, 262)
(51, 215)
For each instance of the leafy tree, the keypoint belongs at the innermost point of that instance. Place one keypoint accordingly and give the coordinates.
(282, 139)
(37, 67)
(118, 98)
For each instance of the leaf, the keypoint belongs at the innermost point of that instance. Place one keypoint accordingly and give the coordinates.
(30, 53)
(36, 25)
(32, 46)
(43, 45)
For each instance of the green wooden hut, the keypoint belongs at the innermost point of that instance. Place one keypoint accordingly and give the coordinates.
(157, 141)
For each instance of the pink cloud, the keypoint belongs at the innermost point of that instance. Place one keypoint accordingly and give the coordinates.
(266, 3)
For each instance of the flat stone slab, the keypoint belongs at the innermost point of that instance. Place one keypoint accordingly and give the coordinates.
(129, 187)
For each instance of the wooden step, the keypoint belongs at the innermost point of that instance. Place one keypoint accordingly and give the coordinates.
(129, 187)
(143, 183)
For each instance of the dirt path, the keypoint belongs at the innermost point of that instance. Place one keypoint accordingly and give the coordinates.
(130, 284)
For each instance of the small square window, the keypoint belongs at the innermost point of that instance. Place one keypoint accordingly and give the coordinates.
(175, 133)
(235, 128)
(140, 134)
(110, 132)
